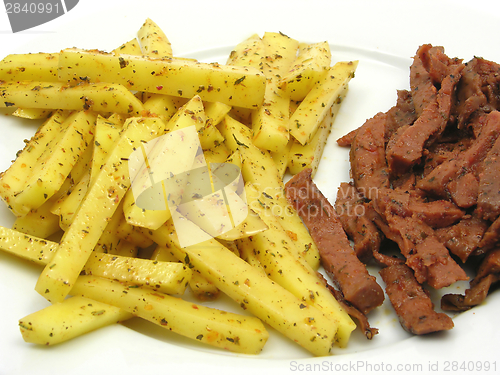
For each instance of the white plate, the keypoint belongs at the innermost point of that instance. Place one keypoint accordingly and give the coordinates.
(383, 36)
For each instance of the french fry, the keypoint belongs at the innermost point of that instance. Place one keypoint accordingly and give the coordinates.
(163, 106)
(306, 120)
(105, 136)
(57, 95)
(284, 264)
(209, 135)
(16, 176)
(30, 67)
(131, 47)
(59, 276)
(165, 277)
(40, 222)
(255, 292)
(49, 173)
(66, 320)
(311, 62)
(270, 122)
(309, 156)
(229, 331)
(153, 40)
(32, 113)
(231, 85)
(31, 248)
(201, 288)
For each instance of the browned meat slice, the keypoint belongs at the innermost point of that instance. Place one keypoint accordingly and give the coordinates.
(411, 303)
(437, 181)
(362, 320)
(350, 208)
(487, 274)
(402, 114)
(423, 90)
(463, 238)
(488, 201)
(439, 65)
(337, 256)
(477, 90)
(367, 157)
(353, 312)
(407, 149)
(491, 237)
(346, 140)
(425, 255)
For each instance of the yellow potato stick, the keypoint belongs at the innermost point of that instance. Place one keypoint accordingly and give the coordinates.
(39, 222)
(105, 136)
(57, 95)
(125, 249)
(284, 264)
(309, 156)
(165, 277)
(153, 41)
(306, 120)
(270, 122)
(209, 135)
(132, 234)
(249, 52)
(24, 246)
(225, 330)
(311, 62)
(72, 201)
(281, 158)
(32, 113)
(30, 67)
(254, 291)
(66, 320)
(163, 106)
(131, 47)
(257, 165)
(48, 175)
(240, 86)
(16, 176)
(169, 249)
(59, 276)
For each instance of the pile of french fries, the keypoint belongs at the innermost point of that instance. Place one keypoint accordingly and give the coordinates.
(268, 110)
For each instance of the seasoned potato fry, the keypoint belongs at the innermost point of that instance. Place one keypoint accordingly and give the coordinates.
(32, 113)
(16, 176)
(153, 40)
(270, 122)
(30, 67)
(306, 120)
(240, 86)
(284, 264)
(165, 277)
(66, 320)
(50, 172)
(31, 248)
(131, 47)
(311, 62)
(163, 106)
(309, 156)
(255, 292)
(60, 274)
(57, 95)
(233, 332)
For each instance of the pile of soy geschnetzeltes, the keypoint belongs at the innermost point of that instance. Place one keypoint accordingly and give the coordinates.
(425, 177)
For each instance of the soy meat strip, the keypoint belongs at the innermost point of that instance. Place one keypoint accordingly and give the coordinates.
(350, 208)
(488, 200)
(411, 303)
(424, 253)
(487, 274)
(463, 238)
(433, 108)
(367, 157)
(337, 256)
(455, 177)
